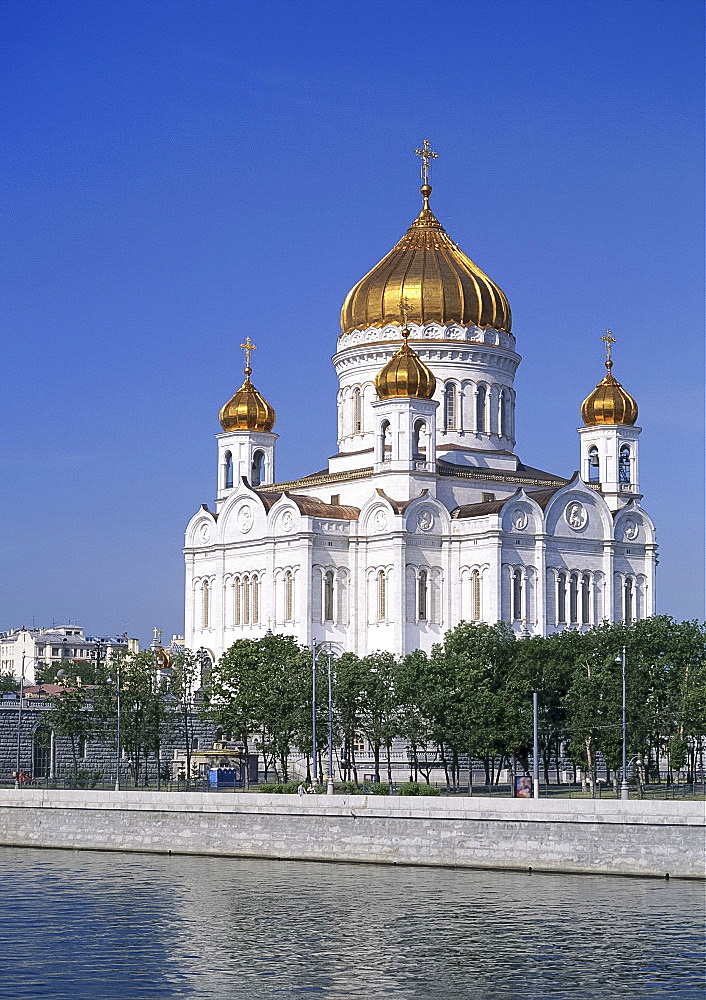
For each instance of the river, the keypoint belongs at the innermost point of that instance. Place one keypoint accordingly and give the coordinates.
(110, 926)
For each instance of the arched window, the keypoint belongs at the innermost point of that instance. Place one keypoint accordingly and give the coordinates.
(594, 471)
(502, 414)
(228, 478)
(328, 596)
(419, 441)
(480, 408)
(628, 601)
(255, 600)
(624, 464)
(357, 412)
(450, 407)
(517, 595)
(561, 598)
(475, 595)
(288, 596)
(574, 600)
(42, 747)
(386, 440)
(236, 601)
(382, 596)
(206, 598)
(257, 469)
(422, 596)
(246, 600)
(585, 599)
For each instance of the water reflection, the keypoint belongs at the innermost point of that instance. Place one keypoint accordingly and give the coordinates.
(103, 926)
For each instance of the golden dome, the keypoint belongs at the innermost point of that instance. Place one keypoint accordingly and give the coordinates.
(438, 281)
(405, 375)
(609, 403)
(247, 410)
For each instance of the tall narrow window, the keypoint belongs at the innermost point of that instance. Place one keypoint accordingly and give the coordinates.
(594, 471)
(624, 464)
(246, 600)
(42, 752)
(450, 407)
(288, 596)
(475, 595)
(236, 601)
(502, 415)
(257, 468)
(206, 597)
(517, 595)
(628, 601)
(422, 596)
(382, 596)
(480, 408)
(585, 600)
(228, 479)
(561, 598)
(255, 599)
(386, 440)
(328, 596)
(357, 412)
(419, 441)
(574, 600)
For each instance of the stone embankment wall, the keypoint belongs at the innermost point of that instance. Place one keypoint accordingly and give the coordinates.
(611, 837)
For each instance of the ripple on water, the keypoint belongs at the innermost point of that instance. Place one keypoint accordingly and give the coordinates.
(100, 926)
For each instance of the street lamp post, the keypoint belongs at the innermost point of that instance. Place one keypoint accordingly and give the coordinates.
(624, 789)
(314, 648)
(117, 759)
(535, 760)
(19, 724)
(329, 783)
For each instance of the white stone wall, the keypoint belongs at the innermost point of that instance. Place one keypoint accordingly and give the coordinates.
(648, 838)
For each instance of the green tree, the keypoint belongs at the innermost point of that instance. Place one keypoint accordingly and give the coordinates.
(379, 717)
(72, 716)
(182, 684)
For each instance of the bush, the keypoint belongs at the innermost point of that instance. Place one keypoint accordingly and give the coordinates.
(84, 779)
(287, 788)
(376, 788)
(415, 788)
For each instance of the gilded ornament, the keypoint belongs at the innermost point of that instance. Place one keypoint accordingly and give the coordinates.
(247, 410)
(441, 284)
(609, 403)
(405, 375)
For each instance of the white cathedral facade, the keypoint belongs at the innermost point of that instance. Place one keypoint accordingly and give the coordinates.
(426, 516)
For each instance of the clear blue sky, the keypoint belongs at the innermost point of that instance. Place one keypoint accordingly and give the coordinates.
(177, 176)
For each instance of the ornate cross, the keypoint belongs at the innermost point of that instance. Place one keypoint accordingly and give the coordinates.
(404, 309)
(248, 347)
(608, 341)
(426, 153)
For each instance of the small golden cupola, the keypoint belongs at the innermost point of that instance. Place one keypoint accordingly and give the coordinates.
(441, 284)
(609, 403)
(247, 410)
(405, 376)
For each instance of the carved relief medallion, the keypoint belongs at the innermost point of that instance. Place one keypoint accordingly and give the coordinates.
(425, 520)
(576, 515)
(287, 521)
(205, 534)
(245, 519)
(519, 519)
(630, 529)
(380, 520)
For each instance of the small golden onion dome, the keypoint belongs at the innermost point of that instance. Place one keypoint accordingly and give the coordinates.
(248, 410)
(609, 403)
(405, 375)
(439, 283)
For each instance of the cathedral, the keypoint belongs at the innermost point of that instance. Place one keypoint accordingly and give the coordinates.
(425, 516)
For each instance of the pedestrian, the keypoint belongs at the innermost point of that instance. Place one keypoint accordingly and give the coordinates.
(300, 789)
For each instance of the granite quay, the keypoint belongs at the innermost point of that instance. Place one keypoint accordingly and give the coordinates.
(610, 837)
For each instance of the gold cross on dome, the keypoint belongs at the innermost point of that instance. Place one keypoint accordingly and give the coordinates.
(426, 153)
(248, 347)
(404, 309)
(608, 342)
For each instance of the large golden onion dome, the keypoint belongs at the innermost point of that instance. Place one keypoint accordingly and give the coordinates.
(609, 403)
(405, 375)
(247, 410)
(439, 283)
